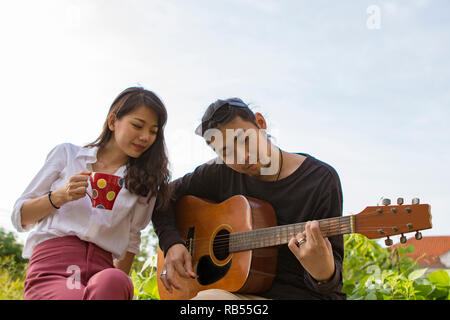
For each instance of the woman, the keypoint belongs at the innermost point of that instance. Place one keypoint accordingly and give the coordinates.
(80, 252)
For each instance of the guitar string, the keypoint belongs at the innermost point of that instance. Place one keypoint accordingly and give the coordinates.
(335, 226)
(247, 240)
(329, 232)
(359, 218)
(272, 240)
(256, 233)
(285, 238)
(253, 244)
(257, 243)
(250, 244)
(300, 225)
(282, 236)
(265, 237)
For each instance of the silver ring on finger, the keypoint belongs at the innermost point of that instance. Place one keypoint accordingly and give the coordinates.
(299, 243)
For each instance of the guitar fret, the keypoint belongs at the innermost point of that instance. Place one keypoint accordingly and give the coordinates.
(278, 235)
(270, 238)
(262, 239)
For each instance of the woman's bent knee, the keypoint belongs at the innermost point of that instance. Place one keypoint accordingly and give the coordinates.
(109, 284)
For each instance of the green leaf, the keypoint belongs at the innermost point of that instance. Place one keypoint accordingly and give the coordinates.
(417, 274)
(371, 296)
(439, 293)
(423, 290)
(356, 296)
(148, 263)
(151, 287)
(423, 287)
(439, 278)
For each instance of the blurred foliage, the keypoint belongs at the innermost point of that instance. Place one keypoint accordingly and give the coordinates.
(375, 273)
(11, 287)
(143, 271)
(12, 267)
(370, 271)
(145, 281)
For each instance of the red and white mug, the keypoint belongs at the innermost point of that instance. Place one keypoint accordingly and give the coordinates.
(104, 189)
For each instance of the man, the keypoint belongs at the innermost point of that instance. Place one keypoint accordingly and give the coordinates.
(299, 187)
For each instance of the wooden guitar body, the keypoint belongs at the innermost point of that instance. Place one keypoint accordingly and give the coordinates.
(206, 228)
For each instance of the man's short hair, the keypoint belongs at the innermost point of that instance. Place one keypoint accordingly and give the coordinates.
(223, 111)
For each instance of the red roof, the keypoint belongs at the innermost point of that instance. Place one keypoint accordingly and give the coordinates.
(429, 249)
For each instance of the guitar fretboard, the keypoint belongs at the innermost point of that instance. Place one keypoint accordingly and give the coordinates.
(274, 236)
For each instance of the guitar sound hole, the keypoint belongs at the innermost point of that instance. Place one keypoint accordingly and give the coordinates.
(208, 272)
(221, 244)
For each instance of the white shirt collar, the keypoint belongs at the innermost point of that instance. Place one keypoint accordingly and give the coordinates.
(90, 153)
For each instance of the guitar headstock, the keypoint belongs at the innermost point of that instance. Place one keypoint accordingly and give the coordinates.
(388, 220)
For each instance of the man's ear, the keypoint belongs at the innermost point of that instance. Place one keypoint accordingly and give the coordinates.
(111, 121)
(260, 121)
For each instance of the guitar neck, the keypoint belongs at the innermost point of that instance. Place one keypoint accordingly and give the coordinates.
(274, 236)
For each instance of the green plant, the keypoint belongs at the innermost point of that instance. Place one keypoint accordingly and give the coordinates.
(12, 267)
(12, 277)
(145, 281)
(9, 247)
(375, 273)
(370, 273)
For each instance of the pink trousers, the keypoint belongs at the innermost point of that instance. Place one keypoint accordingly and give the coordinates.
(67, 268)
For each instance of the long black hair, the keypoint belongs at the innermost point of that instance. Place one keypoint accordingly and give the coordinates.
(148, 174)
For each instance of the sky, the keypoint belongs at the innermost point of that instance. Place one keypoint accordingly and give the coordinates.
(361, 85)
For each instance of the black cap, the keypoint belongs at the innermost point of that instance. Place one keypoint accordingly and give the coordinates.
(213, 107)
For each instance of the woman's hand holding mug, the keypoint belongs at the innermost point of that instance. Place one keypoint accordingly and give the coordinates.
(74, 189)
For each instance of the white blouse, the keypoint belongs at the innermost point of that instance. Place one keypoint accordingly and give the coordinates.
(117, 230)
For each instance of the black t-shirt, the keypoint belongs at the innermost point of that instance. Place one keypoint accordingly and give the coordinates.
(312, 192)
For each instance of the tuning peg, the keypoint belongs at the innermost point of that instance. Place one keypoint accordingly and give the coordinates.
(418, 235)
(388, 241)
(415, 201)
(403, 239)
(386, 202)
(399, 201)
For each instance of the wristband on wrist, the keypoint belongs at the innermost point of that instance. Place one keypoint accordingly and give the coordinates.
(50, 199)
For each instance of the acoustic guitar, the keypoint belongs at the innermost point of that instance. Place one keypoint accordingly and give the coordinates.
(234, 243)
